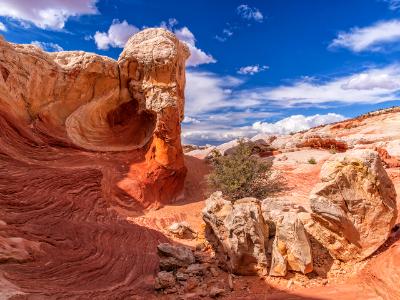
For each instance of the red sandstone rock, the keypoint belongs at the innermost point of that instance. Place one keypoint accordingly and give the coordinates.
(84, 140)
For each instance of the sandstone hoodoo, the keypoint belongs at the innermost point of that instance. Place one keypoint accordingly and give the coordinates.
(354, 206)
(84, 141)
(93, 103)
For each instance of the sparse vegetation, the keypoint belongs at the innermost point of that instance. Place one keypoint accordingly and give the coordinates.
(241, 174)
(312, 161)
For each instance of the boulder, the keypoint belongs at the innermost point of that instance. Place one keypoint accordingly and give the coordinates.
(182, 230)
(173, 257)
(240, 230)
(165, 280)
(353, 207)
(291, 248)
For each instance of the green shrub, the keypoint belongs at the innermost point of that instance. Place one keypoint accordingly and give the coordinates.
(312, 161)
(240, 174)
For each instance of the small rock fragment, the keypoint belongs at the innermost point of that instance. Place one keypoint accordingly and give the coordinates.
(165, 280)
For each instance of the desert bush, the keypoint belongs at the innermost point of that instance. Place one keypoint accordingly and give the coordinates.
(241, 174)
(312, 161)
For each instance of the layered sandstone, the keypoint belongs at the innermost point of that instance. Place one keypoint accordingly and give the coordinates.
(95, 103)
(84, 141)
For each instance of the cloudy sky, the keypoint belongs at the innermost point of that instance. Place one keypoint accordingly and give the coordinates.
(267, 66)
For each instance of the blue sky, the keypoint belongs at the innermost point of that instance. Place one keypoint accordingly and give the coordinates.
(270, 66)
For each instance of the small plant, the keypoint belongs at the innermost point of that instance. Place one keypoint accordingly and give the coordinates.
(312, 161)
(240, 174)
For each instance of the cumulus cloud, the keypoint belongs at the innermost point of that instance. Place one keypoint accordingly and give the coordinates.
(197, 56)
(250, 13)
(251, 70)
(226, 110)
(372, 38)
(190, 120)
(373, 80)
(296, 123)
(222, 126)
(117, 35)
(49, 47)
(374, 85)
(206, 91)
(3, 27)
(46, 14)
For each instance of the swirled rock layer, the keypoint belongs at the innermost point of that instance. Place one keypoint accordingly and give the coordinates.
(84, 140)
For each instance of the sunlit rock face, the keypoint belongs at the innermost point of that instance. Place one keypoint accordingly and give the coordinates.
(90, 102)
(85, 140)
(354, 205)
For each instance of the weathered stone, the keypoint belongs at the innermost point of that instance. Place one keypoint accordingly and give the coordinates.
(182, 230)
(197, 269)
(291, 248)
(354, 206)
(173, 257)
(240, 229)
(216, 291)
(98, 104)
(165, 280)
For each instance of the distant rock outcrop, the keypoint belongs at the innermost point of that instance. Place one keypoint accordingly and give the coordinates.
(354, 206)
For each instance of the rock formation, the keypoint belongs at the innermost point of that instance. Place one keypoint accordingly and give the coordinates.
(84, 141)
(354, 206)
(241, 231)
(291, 248)
(91, 102)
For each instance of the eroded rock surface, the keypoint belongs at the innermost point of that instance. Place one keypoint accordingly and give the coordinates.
(85, 140)
(354, 206)
(241, 231)
(87, 101)
(291, 249)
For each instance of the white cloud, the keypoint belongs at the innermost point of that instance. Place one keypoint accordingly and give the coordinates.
(373, 80)
(117, 35)
(46, 14)
(252, 69)
(372, 38)
(190, 120)
(222, 127)
(250, 13)
(49, 47)
(296, 123)
(197, 56)
(170, 24)
(3, 27)
(371, 86)
(393, 4)
(207, 92)
(225, 110)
